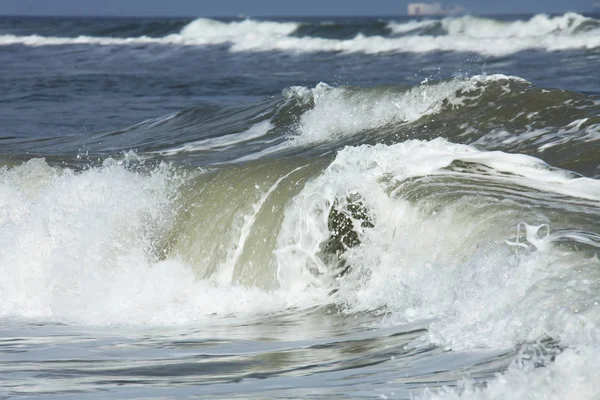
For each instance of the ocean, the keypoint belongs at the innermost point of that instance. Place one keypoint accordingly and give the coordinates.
(369, 208)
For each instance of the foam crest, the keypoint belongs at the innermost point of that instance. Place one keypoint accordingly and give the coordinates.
(488, 46)
(37, 40)
(343, 112)
(215, 32)
(85, 248)
(538, 26)
(199, 32)
(448, 257)
(411, 26)
(470, 263)
(466, 34)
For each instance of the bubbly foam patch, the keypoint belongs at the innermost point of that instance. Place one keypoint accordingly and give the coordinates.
(574, 374)
(85, 248)
(465, 34)
(451, 259)
(487, 269)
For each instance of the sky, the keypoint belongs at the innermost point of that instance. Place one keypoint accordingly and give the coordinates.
(271, 7)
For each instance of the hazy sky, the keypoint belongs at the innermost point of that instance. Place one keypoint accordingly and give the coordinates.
(270, 7)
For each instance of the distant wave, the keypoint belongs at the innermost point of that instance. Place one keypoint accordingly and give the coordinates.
(494, 112)
(477, 27)
(478, 109)
(488, 37)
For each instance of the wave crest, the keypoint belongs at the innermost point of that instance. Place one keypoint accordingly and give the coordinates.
(463, 34)
(468, 25)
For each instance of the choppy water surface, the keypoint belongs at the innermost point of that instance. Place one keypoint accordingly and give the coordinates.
(325, 207)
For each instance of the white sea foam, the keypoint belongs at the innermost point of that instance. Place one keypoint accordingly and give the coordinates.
(37, 40)
(574, 374)
(220, 32)
(464, 34)
(83, 248)
(538, 26)
(483, 296)
(199, 32)
(459, 262)
(340, 112)
(422, 44)
(478, 27)
(397, 27)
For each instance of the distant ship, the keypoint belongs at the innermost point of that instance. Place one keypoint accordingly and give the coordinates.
(417, 9)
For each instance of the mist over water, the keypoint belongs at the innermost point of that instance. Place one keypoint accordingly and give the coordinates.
(375, 208)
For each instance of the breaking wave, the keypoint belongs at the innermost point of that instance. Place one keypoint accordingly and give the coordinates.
(488, 37)
(478, 27)
(492, 112)
(489, 250)
(436, 205)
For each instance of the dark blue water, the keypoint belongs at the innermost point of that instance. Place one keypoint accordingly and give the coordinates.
(115, 86)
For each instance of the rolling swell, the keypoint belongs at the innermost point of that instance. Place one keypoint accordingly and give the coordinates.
(93, 26)
(491, 112)
(342, 29)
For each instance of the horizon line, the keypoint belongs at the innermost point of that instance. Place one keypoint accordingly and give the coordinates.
(245, 16)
